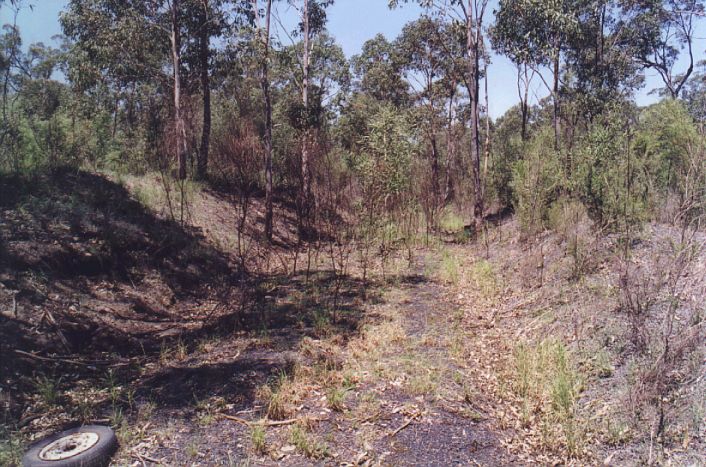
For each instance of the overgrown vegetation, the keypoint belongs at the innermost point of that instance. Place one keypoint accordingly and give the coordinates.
(190, 192)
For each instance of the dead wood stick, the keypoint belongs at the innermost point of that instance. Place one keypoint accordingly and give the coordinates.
(405, 424)
(50, 359)
(52, 321)
(236, 419)
(27, 420)
(87, 363)
(267, 423)
(142, 458)
(139, 457)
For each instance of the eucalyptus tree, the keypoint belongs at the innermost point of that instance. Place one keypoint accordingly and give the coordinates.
(470, 15)
(658, 32)
(263, 21)
(115, 49)
(132, 42)
(10, 56)
(204, 20)
(378, 72)
(694, 94)
(600, 65)
(536, 33)
(311, 26)
(377, 81)
(10, 53)
(422, 55)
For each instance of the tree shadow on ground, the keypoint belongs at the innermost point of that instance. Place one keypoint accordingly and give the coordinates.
(77, 247)
(102, 283)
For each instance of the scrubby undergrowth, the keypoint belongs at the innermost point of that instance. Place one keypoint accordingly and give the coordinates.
(195, 341)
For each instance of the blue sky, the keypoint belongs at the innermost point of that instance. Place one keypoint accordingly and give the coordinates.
(352, 22)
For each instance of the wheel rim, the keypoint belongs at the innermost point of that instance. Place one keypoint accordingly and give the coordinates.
(69, 446)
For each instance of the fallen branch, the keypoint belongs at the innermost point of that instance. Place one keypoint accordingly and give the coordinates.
(49, 318)
(27, 420)
(268, 422)
(142, 458)
(405, 424)
(87, 363)
(50, 359)
(236, 419)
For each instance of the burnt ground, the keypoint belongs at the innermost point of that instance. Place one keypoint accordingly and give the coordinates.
(453, 432)
(391, 413)
(111, 313)
(98, 293)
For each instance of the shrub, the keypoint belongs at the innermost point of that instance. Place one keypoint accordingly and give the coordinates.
(536, 182)
(507, 149)
(569, 218)
(609, 176)
(667, 134)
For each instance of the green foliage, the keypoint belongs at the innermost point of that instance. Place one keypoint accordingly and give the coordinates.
(48, 390)
(384, 165)
(383, 171)
(536, 181)
(569, 218)
(484, 277)
(549, 387)
(11, 447)
(336, 398)
(449, 268)
(667, 134)
(609, 175)
(378, 72)
(531, 32)
(451, 222)
(508, 148)
(258, 439)
(306, 444)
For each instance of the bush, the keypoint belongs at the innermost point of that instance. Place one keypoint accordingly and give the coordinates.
(610, 177)
(536, 182)
(569, 218)
(507, 150)
(666, 137)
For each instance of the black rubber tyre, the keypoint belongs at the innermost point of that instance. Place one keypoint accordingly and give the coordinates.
(97, 455)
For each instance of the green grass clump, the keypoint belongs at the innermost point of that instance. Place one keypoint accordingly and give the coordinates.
(450, 267)
(549, 386)
(336, 398)
(258, 439)
(484, 277)
(48, 389)
(306, 444)
(451, 222)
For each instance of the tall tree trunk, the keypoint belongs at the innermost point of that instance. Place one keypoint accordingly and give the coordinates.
(265, 84)
(524, 97)
(555, 99)
(305, 161)
(436, 189)
(450, 148)
(179, 128)
(434, 150)
(6, 82)
(204, 56)
(472, 46)
(486, 142)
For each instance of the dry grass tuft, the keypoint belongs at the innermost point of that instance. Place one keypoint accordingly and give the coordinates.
(548, 386)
